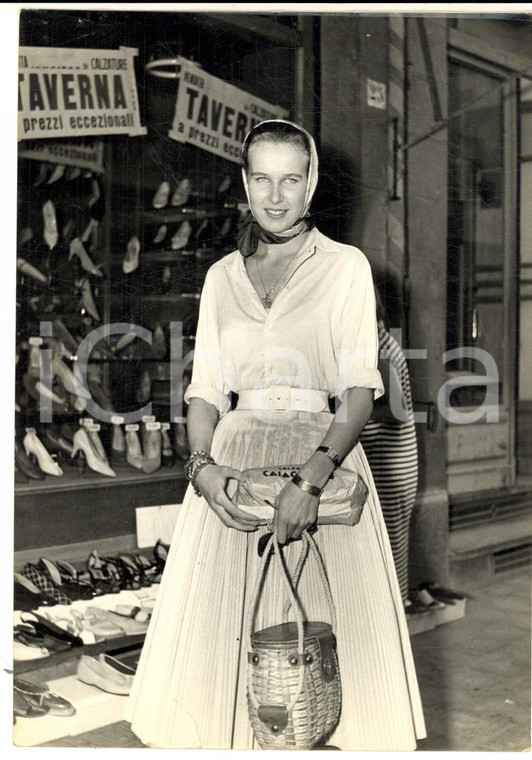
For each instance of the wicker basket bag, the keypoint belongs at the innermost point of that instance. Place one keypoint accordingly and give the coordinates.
(294, 690)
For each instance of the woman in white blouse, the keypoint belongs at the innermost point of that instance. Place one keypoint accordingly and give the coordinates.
(287, 322)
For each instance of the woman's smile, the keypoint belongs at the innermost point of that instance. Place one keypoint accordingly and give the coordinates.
(277, 184)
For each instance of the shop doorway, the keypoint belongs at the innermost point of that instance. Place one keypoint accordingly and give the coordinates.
(482, 265)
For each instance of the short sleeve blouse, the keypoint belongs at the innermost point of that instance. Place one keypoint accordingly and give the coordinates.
(320, 333)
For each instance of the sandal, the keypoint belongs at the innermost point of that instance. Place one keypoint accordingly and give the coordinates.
(22, 708)
(39, 697)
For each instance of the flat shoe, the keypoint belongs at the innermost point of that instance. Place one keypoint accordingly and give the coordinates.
(129, 626)
(107, 673)
(23, 652)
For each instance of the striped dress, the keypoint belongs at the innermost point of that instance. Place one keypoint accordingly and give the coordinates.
(391, 450)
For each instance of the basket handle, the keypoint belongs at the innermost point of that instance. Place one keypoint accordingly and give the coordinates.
(297, 612)
(311, 545)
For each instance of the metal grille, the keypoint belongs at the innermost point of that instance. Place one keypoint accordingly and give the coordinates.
(488, 508)
(511, 558)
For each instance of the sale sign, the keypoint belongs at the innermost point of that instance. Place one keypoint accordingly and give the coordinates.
(65, 92)
(215, 115)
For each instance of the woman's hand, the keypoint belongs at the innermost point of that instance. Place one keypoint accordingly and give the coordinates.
(212, 482)
(296, 510)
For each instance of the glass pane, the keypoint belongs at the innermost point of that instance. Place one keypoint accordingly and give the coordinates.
(475, 233)
(526, 134)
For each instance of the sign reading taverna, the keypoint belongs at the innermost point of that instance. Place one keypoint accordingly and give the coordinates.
(215, 115)
(64, 92)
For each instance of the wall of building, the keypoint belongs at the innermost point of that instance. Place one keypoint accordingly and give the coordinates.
(426, 191)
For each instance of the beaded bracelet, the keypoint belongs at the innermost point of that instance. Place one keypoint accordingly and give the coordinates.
(190, 461)
(196, 462)
(199, 466)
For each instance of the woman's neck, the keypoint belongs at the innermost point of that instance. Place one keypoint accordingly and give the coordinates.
(275, 250)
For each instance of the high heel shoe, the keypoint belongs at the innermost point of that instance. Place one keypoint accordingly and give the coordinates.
(36, 576)
(94, 437)
(151, 440)
(148, 569)
(118, 444)
(100, 576)
(180, 197)
(69, 588)
(133, 449)
(51, 235)
(158, 343)
(83, 443)
(160, 553)
(68, 379)
(130, 572)
(28, 596)
(61, 332)
(70, 575)
(181, 441)
(160, 234)
(32, 445)
(182, 236)
(144, 389)
(136, 569)
(87, 300)
(30, 271)
(131, 259)
(25, 465)
(56, 442)
(77, 249)
(160, 199)
(56, 174)
(40, 391)
(167, 452)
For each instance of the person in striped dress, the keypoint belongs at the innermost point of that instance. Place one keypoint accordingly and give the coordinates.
(390, 444)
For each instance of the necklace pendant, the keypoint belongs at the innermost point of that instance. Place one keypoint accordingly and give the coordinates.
(267, 301)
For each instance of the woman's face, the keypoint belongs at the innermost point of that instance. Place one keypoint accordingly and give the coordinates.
(277, 184)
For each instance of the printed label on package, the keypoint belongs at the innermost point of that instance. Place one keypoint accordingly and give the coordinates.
(65, 92)
(215, 115)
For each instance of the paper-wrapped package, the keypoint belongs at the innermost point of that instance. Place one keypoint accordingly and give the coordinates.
(341, 502)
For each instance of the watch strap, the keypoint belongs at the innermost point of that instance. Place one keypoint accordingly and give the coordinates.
(331, 453)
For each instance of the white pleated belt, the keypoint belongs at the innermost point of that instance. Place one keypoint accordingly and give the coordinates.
(284, 398)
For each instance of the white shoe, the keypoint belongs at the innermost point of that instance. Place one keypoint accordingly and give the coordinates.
(131, 259)
(160, 199)
(33, 445)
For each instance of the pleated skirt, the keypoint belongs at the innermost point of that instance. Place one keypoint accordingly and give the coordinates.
(190, 686)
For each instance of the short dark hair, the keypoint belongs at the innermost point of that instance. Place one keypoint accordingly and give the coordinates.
(275, 131)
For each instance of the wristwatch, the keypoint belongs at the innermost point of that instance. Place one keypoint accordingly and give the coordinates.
(331, 453)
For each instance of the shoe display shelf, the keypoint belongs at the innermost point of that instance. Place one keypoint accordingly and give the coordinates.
(94, 707)
(72, 514)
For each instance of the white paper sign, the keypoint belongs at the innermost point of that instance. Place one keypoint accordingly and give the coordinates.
(215, 115)
(376, 94)
(66, 92)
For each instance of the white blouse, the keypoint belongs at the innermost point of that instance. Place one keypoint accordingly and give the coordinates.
(320, 332)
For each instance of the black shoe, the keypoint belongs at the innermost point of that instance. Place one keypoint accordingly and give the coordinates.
(442, 594)
(424, 597)
(414, 609)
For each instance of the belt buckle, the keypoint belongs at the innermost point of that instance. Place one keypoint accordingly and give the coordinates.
(280, 398)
